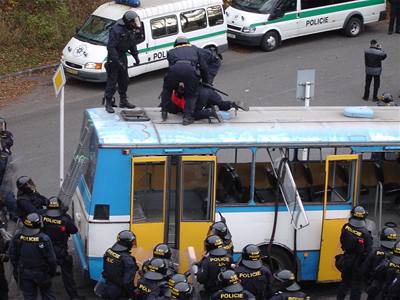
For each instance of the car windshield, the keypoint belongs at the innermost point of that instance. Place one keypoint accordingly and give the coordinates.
(95, 30)
(256, 6)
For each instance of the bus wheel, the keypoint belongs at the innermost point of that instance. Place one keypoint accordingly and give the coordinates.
(270, 41)
(278, 260)
(353, 27)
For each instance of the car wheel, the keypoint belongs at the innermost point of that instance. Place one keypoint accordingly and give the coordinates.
(270, 41)
(353, 27)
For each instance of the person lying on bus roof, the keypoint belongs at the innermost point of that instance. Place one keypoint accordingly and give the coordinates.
(208, 104)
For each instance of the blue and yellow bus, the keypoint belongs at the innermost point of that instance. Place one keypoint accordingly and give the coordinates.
(284, 178)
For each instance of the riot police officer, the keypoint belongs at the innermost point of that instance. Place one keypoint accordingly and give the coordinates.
(253, 275)
(231, 288)
(213, 60)
(356, 243)
(122, 38)
(184, 61)
(34, 261)
(120, 267)
(213, 262)
(182, 291)
(290, 288)
(390, 269)
(175, 279)
(220, 229)
(373, 279)
(162, 251)
(28, 199)
(153, 284)
(58, 225)
(3, 258)
(393, 291)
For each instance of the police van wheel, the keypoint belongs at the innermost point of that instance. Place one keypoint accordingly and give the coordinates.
(270, 41)
(353, 27)
(278, 260)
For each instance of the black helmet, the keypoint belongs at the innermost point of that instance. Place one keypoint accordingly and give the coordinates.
(387, 98)
(25, 184)
(230, 281)
(162, 251)
(358, 216)
(181, 40)
(131, 19)
(182, 290)
(32, 224)
(220, 229)
(214, 245)
(287, 278)
(396, 253)
(176, 278)
(156, 269)
(54, 207)
(251, 257)
(126, 239)
(388, 237)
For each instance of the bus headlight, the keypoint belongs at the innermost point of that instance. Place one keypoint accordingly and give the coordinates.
(96, 66)
(246, 29)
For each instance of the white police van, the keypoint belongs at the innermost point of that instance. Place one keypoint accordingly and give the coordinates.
(266, 23)
(201, 21)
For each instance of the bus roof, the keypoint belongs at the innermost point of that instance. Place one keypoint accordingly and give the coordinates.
(261, 126)
(150, 8)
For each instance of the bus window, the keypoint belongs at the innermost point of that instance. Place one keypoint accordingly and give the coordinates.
(193, 20)
(215, 15)
(163, 27)
(340, 187)
(197, 190)
(148, 179)
(91, 168)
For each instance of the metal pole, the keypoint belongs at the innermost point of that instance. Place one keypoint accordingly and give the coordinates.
(61, 136)
(307, 94)
(252, 176)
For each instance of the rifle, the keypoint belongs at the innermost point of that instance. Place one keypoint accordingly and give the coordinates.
(209, 86)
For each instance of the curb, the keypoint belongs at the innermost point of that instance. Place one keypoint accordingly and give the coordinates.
(28, 71)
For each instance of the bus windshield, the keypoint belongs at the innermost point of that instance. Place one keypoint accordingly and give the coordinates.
(95, 30)
(256, 6)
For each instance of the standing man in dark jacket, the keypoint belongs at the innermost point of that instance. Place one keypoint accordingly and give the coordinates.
(121, 40)
(58, 225)
(28, 199)
(373, 68)
(394, 16)
(184, 61)
(32, 256)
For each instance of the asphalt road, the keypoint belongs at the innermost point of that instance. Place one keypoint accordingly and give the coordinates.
(248, 74)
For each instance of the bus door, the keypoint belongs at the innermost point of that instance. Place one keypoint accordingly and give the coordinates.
(148, 203)
(196, 194)
(341, 193)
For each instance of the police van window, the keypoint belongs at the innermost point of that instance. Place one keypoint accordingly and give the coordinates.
(197, 190)
(215, 15)
(288, 6)
(95, 30)
(341, 1)
(162, 27)
(193, 20)
(305, 4)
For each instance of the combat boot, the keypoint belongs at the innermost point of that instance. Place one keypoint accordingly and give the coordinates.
(187, 120)
(215, 113)
(164, 115)
(124, 103)
(109, 106)
(240, 105)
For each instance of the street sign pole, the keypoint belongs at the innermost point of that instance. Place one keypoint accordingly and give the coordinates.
(59, 83)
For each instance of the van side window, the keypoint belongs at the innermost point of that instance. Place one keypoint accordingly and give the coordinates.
(215, 15)
(341, 1)
(193, 20)
(165, 26)
(288, 6)
(305, 4)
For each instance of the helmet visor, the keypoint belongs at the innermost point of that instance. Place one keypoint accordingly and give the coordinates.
(135, 23)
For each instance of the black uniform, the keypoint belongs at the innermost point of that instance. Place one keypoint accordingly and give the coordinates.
(59, 229)
(258, 282)
(148, 289)
(34, 263)
(209, 268)
(356, 244)
(390, 270)
(121, 40)
(286, 295)
(30, 203)
(393, 291)
(213, 61)
(394, 16)
(119, 271)
(223, 294)
(3, 259)
(184, 60)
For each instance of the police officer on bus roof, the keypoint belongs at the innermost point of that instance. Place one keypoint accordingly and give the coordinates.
(34, 261)
(28, 199)
(213, 60)
(253, 275)
(58, 225)
(373, 68)
(153, 284)
(213, 262)
(356, 241)
(119, 267)
(390, 269)
(290, 288)
(122, 39)
(373, 280)
(220, 229)
(184, 62)
(231, 287)
(4, 241)
(394, 16)
(162, 251)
